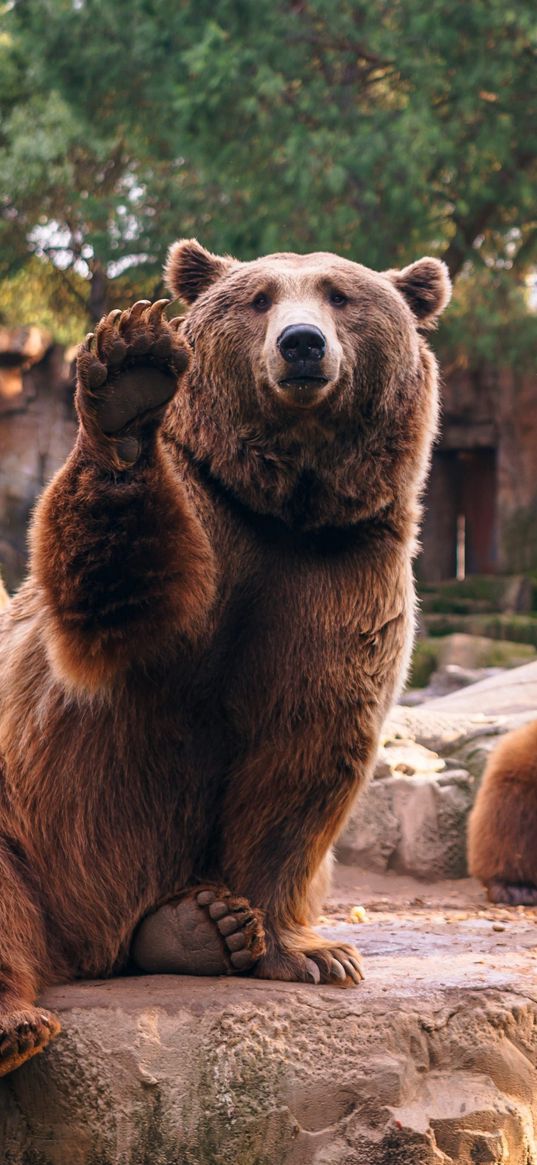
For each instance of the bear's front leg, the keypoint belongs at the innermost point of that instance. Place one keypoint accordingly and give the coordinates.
(123, 561)
(283, 810)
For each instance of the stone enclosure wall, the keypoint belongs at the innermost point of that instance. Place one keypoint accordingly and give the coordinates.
(484, 469)
(37, 428)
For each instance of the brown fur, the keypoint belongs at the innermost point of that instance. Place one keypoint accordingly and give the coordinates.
(502, 830)
(194, 676)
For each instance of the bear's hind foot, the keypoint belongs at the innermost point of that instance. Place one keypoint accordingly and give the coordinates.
(512, 893)
(24, 1033)
(207, 931)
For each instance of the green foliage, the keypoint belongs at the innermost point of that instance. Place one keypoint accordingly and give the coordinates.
(54, 300)
(520, 538)
(430, 653)
(42, 294)
(477, 592)
(516, 628)
(382, 131)
(489, 323)
(424, 662)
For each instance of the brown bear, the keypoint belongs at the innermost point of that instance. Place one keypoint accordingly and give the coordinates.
(502, 828)
(218, 614)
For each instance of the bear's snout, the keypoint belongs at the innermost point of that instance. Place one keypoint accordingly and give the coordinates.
(303, 379)
(302, 355)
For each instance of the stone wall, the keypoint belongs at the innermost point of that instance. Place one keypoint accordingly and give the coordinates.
(37, 428)
(489, 418)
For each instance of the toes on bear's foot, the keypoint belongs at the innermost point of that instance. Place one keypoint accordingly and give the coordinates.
(337, 966)
(239, 925)
(23, 1034)
(129, 366)
(340, 966)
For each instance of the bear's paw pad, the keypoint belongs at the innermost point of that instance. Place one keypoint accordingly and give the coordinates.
(129, 367)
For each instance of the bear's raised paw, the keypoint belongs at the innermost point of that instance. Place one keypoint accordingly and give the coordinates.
(128, 371)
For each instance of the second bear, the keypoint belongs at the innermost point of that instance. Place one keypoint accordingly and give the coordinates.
(502, 829)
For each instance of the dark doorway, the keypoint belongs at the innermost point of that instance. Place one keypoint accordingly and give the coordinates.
(462, 487)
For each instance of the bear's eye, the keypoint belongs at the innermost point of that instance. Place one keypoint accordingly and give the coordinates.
(338, 298)
(261, 302)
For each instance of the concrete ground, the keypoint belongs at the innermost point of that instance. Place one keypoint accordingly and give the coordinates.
(442, 934)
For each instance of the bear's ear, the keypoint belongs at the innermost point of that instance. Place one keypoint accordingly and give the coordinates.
(190, 269)
(426, 286)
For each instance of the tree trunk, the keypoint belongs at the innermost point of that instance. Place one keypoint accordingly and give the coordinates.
(98, 292)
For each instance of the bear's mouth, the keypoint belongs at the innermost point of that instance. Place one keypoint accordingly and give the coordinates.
(302, 391)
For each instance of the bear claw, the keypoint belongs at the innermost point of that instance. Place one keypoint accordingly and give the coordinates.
(136, 310)
(339, 966)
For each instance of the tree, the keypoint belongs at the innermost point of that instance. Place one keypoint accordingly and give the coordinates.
(381, 131)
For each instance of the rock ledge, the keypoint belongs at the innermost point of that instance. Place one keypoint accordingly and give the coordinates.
(433, 1061)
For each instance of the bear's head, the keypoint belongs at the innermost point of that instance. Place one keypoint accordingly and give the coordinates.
(312, 393)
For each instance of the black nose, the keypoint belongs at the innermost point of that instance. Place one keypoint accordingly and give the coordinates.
(301, 342)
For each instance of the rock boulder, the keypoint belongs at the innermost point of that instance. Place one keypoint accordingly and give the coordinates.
(432, 1061)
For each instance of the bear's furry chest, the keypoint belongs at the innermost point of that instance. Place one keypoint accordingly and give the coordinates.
(301, 631)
